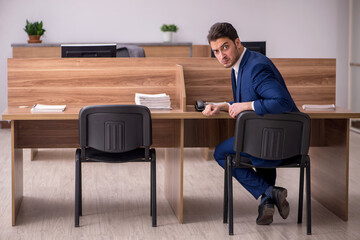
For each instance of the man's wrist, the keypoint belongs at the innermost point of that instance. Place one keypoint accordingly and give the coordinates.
(225, 107)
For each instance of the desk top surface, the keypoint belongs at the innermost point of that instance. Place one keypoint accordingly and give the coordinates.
(72, 113)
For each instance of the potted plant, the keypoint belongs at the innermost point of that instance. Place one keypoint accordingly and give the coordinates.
(35, 30)
(168, 31)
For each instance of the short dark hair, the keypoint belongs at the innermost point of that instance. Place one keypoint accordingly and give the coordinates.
(220, 30)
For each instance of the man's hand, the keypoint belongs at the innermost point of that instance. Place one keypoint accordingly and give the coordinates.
(237, 108)
(211, 110)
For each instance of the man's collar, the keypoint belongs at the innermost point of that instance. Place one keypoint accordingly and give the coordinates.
(237, 64)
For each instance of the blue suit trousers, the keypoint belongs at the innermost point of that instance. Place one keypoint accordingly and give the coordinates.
(256, 182)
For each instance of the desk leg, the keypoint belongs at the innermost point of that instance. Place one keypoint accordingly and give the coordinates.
(174, 163)
(33, 153)
(16, 173)
(209, 153)
(329, 155)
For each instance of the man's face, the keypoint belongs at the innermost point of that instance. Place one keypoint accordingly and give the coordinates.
(226, 51)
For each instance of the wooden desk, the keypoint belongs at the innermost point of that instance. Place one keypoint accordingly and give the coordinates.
(329, 150)
(79, 82)
(60, 130)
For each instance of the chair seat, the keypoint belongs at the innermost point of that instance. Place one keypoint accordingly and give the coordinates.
(137, 155)
(245, 162)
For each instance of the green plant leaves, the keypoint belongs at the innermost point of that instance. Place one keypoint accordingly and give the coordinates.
(34, 28)
(169, 28)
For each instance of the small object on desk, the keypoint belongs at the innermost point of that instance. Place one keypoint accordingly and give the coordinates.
(200, 105)
(47, 108)
(323, 107)
(153, 101)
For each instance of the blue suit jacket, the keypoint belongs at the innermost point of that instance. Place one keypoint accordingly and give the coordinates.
(261, 82)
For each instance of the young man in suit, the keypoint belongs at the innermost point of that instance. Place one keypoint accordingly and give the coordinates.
(258, 86)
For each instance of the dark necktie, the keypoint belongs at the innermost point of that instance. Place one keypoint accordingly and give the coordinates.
(233, 82)
(238, 86)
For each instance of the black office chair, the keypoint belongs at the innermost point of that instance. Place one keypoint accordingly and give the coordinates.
(122, 52)
(129, 51)
(115, 134)
(271, 137)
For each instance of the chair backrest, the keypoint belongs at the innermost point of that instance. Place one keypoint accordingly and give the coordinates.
(272, 136)
(115, 128)
(122, 52)
(129, 51)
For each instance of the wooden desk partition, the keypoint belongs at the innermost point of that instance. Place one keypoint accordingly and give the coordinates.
(79, 82)
(310, 81)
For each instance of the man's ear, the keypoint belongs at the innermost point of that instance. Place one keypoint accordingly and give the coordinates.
(237, 43)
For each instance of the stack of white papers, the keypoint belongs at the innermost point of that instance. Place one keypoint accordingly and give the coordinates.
(214, 103)
(153, 101)
(48, 108)
(324, 107)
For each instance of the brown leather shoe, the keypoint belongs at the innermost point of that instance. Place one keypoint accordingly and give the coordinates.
(266, 212)
(279, 195)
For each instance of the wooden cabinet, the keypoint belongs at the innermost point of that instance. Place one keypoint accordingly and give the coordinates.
(36, 52)
(201, 51)
(167, 51)
(151, 50)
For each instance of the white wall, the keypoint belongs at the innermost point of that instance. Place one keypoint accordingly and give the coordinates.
(291, 28)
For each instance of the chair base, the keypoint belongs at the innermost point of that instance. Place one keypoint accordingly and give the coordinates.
(78, 188)
(228, 194)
